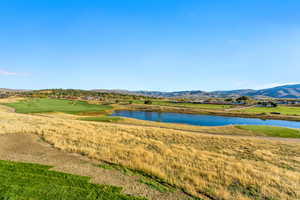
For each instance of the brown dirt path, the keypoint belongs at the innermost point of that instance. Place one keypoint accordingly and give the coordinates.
(30, 148)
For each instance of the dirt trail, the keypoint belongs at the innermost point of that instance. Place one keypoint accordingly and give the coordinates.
(30, 148)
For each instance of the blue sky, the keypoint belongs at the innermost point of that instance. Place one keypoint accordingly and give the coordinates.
(165, 45)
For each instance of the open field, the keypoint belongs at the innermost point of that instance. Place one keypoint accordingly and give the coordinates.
(284, 110)
(56, 107)
(31, 149)
(232, 112)
(234, 130)
(207, 166)
(32, 181)
(11, 100)
(272, 131)
(41, 105)
(237, 130)
(187, 105)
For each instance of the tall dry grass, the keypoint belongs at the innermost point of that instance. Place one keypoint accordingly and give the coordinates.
(207, 166)
(218, 130)
(11, 99)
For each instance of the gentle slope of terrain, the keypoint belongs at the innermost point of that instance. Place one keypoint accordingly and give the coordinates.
(204, 165)
(286, 91)
(32, 181)
(41, 105)
(283, 110)
(272, 131)
(207, 166)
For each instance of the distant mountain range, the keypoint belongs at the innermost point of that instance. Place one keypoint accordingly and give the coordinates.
(12, 90)
(287, 91)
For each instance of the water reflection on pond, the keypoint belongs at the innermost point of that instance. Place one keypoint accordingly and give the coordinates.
(202, 120)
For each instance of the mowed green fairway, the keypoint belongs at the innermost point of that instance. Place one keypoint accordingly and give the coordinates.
(41, 105)
(20, 181)
(285, 110)
(271, 131)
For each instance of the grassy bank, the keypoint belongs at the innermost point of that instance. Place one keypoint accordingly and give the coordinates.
(186, 105)
(234, 130)
(243, 112)
(42, 105)
(102, 119)
(32, 181)
(272, 131)
(206, 166)
(283, 110)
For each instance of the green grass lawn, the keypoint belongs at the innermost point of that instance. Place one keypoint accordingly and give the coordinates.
(187, 105)
(20, 181)
(271, 131)
(285, 110)
(41, 105)
(101, 119)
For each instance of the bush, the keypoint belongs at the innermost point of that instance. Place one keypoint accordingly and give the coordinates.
(148, 102)
(243, 98)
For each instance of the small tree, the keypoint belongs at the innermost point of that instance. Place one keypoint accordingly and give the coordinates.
(228, 100)
(148, 102)
(273, 104)
(243, 98)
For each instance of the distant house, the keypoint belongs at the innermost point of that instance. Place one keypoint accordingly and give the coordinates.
(288, 102)
(282, 102)
(294, 102)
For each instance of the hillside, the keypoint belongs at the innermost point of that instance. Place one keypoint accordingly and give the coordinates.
(12, 90)
(287, 91)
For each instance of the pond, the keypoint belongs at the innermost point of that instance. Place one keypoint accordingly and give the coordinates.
(202, 120)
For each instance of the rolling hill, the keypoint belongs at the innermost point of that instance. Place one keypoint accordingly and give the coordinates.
(286, 91)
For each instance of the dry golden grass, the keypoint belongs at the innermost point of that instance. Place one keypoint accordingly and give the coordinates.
(208, 166)
(221, 130)
(11, 99)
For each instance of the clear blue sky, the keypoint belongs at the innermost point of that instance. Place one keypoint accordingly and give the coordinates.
(163, 45)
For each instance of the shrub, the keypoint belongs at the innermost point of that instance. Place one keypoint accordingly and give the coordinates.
(148, 102)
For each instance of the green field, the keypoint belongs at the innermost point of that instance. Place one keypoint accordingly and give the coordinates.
(24, 181)
(285, 110)
(186, 105)
(272, 131)
(42, 105)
